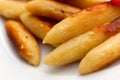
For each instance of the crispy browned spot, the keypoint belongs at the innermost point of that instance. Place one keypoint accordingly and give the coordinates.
(110, 28)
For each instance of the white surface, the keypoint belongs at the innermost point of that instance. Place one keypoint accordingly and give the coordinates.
(12, 67)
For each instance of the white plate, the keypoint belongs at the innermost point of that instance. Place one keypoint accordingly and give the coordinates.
(12, 67)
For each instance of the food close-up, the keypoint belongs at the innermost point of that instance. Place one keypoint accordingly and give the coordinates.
(82, 32)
